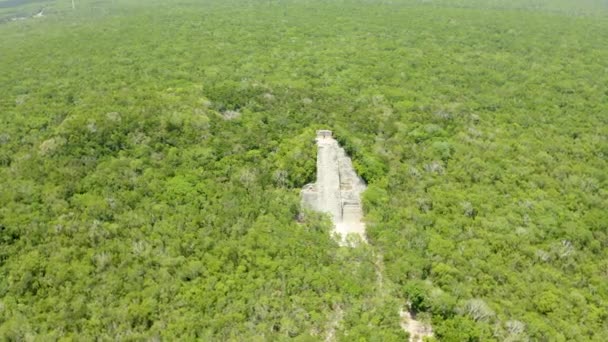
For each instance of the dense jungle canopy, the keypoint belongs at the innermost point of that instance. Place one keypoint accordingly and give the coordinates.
(152, 154)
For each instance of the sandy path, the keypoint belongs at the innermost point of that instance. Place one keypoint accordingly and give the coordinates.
(417, 330)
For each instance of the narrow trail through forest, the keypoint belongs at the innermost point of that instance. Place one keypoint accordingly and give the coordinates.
(337, 192)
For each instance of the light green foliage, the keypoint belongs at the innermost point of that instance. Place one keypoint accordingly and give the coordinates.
(295, 160)
(151, 154)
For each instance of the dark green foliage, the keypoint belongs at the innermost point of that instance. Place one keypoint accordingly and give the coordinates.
(416, 294)
(459, 329)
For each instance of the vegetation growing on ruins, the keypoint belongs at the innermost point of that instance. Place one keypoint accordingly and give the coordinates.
(151, 157)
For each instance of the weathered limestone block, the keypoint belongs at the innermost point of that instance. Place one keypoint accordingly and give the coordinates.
(338, 188)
